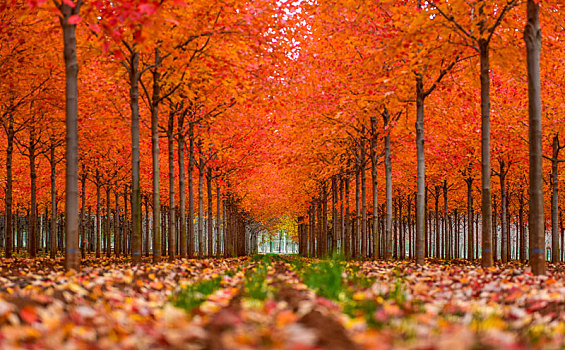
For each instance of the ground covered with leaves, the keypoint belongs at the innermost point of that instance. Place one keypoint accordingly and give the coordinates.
(272, 302)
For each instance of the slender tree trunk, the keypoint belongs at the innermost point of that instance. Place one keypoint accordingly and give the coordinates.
(470, 235)
(182, 194)
(201, 208)
(83, 229)
(320, 229)
(521, 221)
(218, 220)
(486, 210)
(494, 230)
(190, 190)
(436, 197)
(421, 175)
(134, 75)
(210, 225)
(341, 215)
(155, 157)
(357, 232)
(445, 220)
(555, 253)
(118, 229)
(147, 229)
(98, 216)
(334, 215)
(532, 36)
(53, 236)
(374, 164)
(364, 239)
(108, 240)
(72, 257)
(347, 235)
(172, 205)
(32, 248)
(503, 211)
(9, 188)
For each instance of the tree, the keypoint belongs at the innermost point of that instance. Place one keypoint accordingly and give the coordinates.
(532, 37)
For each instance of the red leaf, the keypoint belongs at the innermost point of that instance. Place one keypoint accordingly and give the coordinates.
(28, 314)
(74, 19)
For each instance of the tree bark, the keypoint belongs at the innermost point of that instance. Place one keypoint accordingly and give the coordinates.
(421, 175)
(191, 190)
(182, 192)
(210, 225)
(486, 209)
(52, 238)
(218, 220)
(504, 217)
(134, 75)
(347, 234)
(98, 216)
(155, 157)
(32, 228)
(72, 254)
(201, 207)
(172, 211)
(9, 188)
(108, 250)
(555, 253)
(470, 234)
(357, 232)
(532, 37)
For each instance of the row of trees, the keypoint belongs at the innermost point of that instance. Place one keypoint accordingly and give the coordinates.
(385, 70)
(281, 107)
(180, 68)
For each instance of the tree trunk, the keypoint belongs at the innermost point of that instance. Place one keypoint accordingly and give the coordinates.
(210, 225)
(357, 232)
(494, 230)
(374, 164)
(555, 253)
(9, 188)
(388, 195)
(521, 221)
(532, 36)
(52, 238)
(134, 75)
(182, 194)
(503, 211)
(363, 200)
(445, 225)
(470, 235)
(82, 226)
(32, 248)
(98, 216)
(421, 175)
(155, 157)
(172, 211)
(347, 235)
(190, 190)
(108, 250)
(218, 220)
(117, 228)
(147, 229)
(72, 257)
(201, 208)
(486, 210)
(334, 215)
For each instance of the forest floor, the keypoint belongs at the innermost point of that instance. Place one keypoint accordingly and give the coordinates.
(272, 302)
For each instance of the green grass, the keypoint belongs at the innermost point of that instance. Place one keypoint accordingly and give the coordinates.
(195, 294)
(255, 286)
(325, 278)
